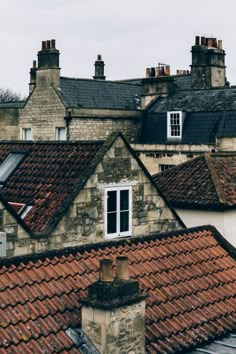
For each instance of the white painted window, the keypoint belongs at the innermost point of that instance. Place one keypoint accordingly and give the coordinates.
(118, 212)
(60, 133)
(26, 134)
(174, 125)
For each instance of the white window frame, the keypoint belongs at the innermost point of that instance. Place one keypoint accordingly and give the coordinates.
(118, 233)
(169, 125)
(58, 133)
(25, 132)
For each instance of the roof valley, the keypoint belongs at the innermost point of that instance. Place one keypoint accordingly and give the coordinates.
(215, 179)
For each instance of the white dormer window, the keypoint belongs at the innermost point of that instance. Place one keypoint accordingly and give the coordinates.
(60, 133)
(26, 134)
(175, 125)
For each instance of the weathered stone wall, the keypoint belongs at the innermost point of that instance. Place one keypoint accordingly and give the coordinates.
(9, 120)
(84, 222)
(43, 112)
(152, 155)
(117, 331)
(100, 128)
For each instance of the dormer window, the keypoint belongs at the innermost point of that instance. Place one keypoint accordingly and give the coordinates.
(174, 125)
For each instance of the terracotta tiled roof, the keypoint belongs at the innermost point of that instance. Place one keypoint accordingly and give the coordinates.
(47, 178)
(207, 181)
(190, 277)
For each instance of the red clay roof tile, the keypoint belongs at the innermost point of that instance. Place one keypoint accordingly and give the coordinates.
(189, 277)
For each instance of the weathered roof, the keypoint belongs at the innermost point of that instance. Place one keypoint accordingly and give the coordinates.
(189, 275)
(207, 181)
(48, 178)
(225, 345)
(16, 104)
(99, 94)
(211, 100)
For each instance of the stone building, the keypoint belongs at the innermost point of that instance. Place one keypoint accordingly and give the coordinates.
(60, 194)
(176, 296)
(167, 118)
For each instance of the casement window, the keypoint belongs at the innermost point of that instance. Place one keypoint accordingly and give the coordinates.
(163, 167)
(26, 134)
(60, 133)
(174, 125)
(118, 212)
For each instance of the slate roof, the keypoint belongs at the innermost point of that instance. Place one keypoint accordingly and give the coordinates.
(99, 94)
(16, 104)
(206, 182)
(226, 345)
(211, 100)
(189, 275)
(48, 178)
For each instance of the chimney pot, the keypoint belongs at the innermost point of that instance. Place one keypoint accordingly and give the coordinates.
(99, 57)
(220, 46)
(168, 70)
(34, 64)
(203, 41)
(152, 72)
(122, 268)
(48, 44)
(197, 40)
(53, 43)
(148, 71)
(43, 45)
(105, 272)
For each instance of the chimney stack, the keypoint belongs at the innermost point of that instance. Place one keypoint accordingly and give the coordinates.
(99, 68)
(115, 307)
(33, 72)
(208, 63)
(48, 72)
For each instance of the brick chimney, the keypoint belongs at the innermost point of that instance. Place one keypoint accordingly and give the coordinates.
(48, 72)
(157, 82)
(113, 314)
(208, 63)
(99, 68)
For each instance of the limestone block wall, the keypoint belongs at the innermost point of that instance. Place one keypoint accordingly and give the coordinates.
(84, 221)
(9, 120)
(120, 330)
(43, 112)
(91, 128)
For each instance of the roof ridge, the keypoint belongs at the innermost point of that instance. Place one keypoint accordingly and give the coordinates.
(101, 81)
(215, 178)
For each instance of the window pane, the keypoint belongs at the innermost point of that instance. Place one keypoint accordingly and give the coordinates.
(111, 223)
(111, 200)
(124, 221)
(124, 200)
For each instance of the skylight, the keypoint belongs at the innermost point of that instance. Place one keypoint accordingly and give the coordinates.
(9, 164)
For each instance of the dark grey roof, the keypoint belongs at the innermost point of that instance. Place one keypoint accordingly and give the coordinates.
(198, 127)
(211, 100)
(183, 82)
(17, 104)
(99, 94)
(226, 345)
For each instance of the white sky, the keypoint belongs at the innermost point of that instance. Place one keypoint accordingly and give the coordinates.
(130, 34)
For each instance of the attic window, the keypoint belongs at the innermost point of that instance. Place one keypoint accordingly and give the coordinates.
(174, 125)
(9, 164)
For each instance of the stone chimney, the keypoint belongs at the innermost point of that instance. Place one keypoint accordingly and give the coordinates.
(99, 68)
(208, 63)
(113, 314)
(33, 71)
(157, 82)
(48, 72)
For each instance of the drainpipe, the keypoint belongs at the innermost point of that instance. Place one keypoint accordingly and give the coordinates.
(68, 119)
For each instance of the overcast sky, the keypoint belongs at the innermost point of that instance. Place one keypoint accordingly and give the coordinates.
(130, 34)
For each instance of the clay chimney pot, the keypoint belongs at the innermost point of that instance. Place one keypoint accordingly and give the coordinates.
(122, 268)
(105, 272)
